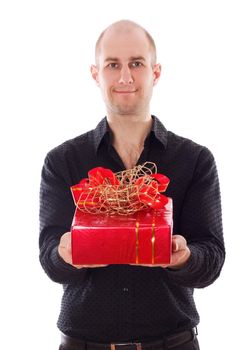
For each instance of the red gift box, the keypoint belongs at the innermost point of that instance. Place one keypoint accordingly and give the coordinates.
(141, 238)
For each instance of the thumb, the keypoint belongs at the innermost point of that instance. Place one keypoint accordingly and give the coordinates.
(175, 246)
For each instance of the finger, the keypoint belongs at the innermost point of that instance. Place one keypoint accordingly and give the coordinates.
(178, 243)
(150, 265)
(174, 245)
(89, 266)
(65, 241)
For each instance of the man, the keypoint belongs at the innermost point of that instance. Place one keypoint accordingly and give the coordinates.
(126, 306)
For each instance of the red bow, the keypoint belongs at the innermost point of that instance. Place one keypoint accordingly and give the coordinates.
(122, 193)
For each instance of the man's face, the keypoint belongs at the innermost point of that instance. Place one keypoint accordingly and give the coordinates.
(125, 72)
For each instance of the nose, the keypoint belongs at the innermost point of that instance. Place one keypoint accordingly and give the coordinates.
(125, 76)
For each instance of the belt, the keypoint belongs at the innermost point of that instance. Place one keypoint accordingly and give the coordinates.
(169, 342)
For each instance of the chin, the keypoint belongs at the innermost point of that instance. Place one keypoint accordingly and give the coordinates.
(126, 109)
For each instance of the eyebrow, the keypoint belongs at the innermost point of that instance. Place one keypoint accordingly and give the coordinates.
(132, 58)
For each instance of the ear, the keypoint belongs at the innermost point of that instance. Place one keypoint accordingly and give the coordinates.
(156, 73)
(94, 73)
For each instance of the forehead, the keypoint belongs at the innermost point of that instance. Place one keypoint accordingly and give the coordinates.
(124, 44)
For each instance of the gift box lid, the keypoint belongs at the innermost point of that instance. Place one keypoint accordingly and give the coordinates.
(160, 217)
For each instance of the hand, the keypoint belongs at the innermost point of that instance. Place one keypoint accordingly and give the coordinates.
(180, 254)
(64, 250)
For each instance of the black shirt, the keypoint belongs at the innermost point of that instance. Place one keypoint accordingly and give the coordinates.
(121, 303)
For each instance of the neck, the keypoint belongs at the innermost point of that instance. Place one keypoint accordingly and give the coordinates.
(130, 130)
(129, 134)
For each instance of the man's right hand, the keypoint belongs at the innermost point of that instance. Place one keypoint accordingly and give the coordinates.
(64, 250)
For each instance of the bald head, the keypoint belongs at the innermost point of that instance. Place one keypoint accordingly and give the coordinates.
(125, 27)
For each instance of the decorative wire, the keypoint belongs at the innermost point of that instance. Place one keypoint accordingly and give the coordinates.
(122, 199)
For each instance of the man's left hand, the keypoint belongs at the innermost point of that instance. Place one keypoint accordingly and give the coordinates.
(180, 254)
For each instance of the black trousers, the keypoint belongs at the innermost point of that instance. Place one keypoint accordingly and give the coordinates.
(191, 345)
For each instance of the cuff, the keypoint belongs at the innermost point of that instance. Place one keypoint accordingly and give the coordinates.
(59, 263)
(185, 274)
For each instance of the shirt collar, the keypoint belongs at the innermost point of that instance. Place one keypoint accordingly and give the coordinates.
(102, 130)
(159, 131)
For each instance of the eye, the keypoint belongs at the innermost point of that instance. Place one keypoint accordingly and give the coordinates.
(113, 65)
(136, 64)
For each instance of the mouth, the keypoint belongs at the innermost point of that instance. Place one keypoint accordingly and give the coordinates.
(125, 91)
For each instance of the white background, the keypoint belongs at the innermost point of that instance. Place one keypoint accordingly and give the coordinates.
(48, 96)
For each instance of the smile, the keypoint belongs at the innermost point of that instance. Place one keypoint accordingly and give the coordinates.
(124, 91)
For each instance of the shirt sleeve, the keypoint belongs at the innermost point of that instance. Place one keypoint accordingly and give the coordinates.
(201, 225)
(56, 213)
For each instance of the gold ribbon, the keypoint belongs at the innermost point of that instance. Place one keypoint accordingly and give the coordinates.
(152, 240)
(137, 242)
